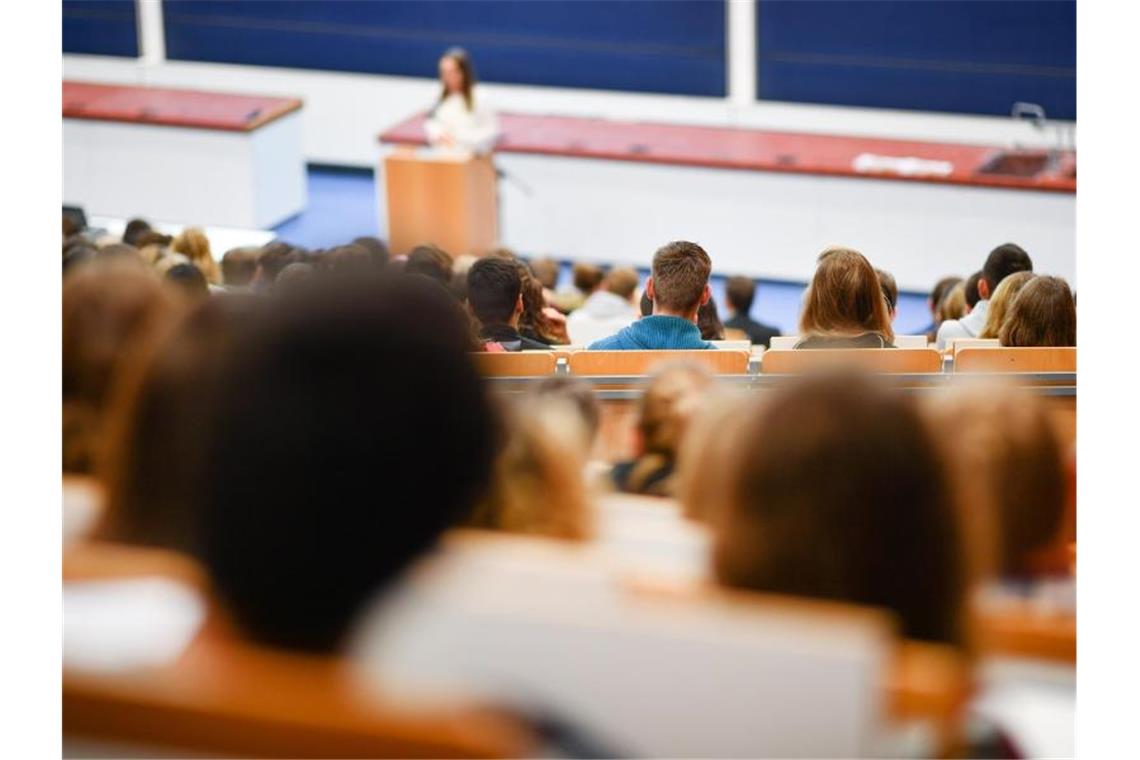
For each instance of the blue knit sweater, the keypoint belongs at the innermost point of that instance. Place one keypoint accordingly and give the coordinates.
(654, 333)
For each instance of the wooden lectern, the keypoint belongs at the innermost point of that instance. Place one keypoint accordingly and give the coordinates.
(443, 198)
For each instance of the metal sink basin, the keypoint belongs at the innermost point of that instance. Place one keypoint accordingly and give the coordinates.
(1017, 164)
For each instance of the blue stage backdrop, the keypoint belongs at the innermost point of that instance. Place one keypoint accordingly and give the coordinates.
(100, 27)
(936, 55)
(667, 47)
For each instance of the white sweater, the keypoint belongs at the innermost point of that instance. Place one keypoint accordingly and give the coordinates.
(474, 130)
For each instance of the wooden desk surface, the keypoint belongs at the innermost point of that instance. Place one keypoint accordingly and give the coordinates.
(173, 108)
(734, 148)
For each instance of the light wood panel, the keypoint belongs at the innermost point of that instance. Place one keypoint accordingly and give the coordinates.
(515, 364)
(883, 360)
(1016, 360)
(450, 201)
(719, 362)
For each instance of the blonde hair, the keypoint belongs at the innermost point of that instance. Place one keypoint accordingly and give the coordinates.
(845, 297)
(708, 455)
(999, 302)
(538, 485)
(953, 304)
(194, 244)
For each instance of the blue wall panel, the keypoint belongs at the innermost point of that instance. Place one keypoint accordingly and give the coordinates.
(670, 47)
(936, 55)
(100, 27)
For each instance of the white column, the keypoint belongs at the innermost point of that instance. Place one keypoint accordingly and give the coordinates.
(741, 39)
(152, 35)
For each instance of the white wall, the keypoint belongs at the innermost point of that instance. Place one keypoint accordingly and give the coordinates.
(344, 113)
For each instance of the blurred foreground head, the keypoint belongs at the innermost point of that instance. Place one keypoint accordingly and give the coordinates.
(836, 491)
(344, 439)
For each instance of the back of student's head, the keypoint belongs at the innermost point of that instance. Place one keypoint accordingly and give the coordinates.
(1010, 474)
(154, 427)
(587, 277)
(274, 257)
(110, 309)
(546, 271)
(493, 288)
(344, 437)
(680, 274)
(739, 292)
(941, 288)
(377, 249)
(890, 290)
(838, 492)
(193, 243)
(239, 266)
(1000, 301)
(972, 294)
(1003, 261)
(134, 230)
(1042, 314)
(539, 484)
(578, 394)
(189, 280)
(622, 282)
(953, 304)
(431, 261)
(845, 297)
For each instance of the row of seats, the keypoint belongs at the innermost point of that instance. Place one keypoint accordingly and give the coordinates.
(781, 361)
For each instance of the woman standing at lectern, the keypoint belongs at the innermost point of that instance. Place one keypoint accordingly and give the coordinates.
(458, 119)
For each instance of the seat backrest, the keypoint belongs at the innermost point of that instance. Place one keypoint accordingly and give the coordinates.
(515, 364)
(219, 696)
(911, 341)
(783, 341)
(882, 360)
(642, 362)
(733, 345)
(954, 345)
(1062, 359)
(638, 671)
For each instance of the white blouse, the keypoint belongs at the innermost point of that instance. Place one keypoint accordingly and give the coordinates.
(474, 130)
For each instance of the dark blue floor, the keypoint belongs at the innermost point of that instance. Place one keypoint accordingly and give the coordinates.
(342, 206)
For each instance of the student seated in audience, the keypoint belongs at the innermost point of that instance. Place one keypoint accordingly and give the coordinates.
(539, 485)
(840, 493)
(1012, 483)
(494, 295)
(678, 286)
(546, 272)
(239, 266)
(890, 292)
(708, 321)
(194, 245)
(971, 292)
(953, 305)
(344, 258)
(189, 280)
(154, 427)
(579, 395)
(586, 279)
(1002, 262)
(1043, 314)
(674, 395)
(740, 292)
(274, 257)
(377, 249)
(432, 261)
(934, 304)
(135, 230)
(343, 439)
(844, 305)
(539, 322)
(110, 308)
(296, 275)
(607, 310)
(999, 303)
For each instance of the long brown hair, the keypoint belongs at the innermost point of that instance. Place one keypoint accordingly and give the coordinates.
(844, 297)
(839, 492)
(1043, 314)
(1000, 301)
(463, 61)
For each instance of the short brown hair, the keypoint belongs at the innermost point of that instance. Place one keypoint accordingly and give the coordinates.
(840, 493)
(239, 265)
(740, 291)
(680, 273)
(845, 297)
(621, 282)
(1042, 314)
(587, 277)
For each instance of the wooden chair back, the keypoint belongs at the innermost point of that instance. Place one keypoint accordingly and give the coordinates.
(643, 362)
(1016, 360)
(911, 341)
(733, 345)
(881, 360)
(226, 697)
(515, 363)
